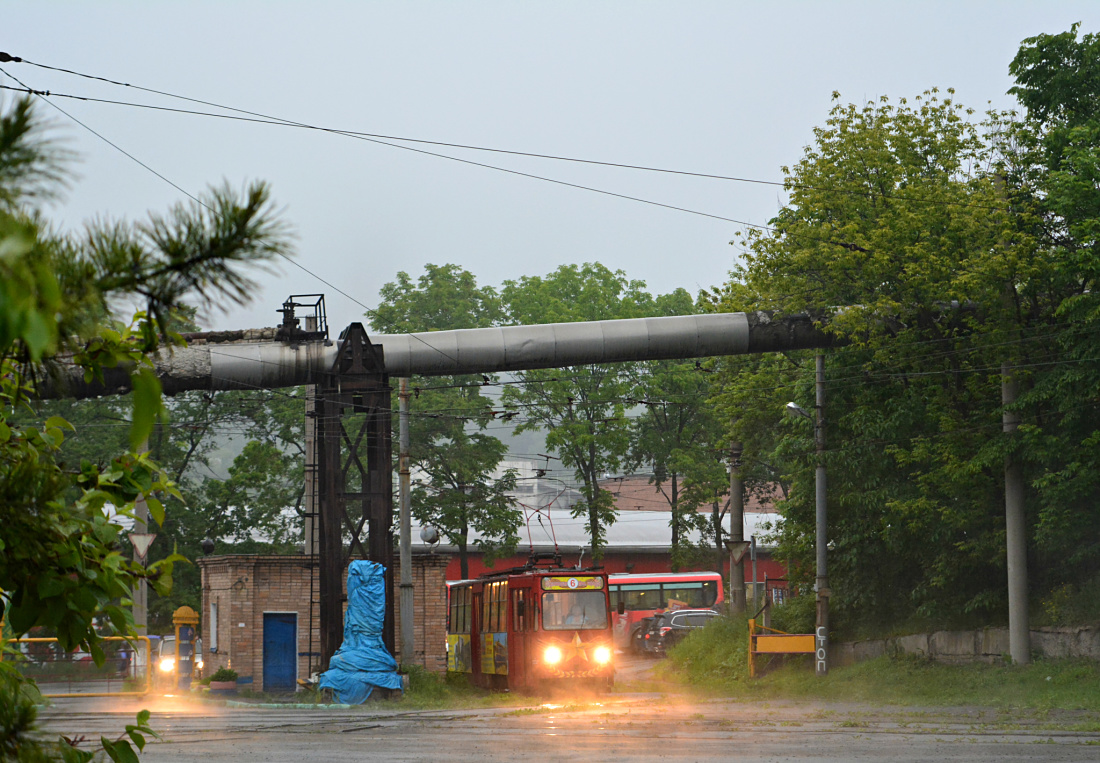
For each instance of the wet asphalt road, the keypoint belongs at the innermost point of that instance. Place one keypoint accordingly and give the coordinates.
(620, 727)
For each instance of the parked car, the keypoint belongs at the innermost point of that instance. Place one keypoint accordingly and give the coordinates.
(637, 637)
(669, 628)
(165, 661)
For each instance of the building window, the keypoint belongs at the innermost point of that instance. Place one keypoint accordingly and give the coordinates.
(213, 626)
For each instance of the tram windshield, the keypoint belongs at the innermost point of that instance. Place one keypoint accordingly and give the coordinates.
(574, 610)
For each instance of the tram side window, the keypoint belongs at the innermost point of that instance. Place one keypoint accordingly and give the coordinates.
(502, 607)
(494, 609)
(487, 608)
(460, 610)
(522, 617)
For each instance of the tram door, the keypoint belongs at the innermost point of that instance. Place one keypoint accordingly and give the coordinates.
(475, 638)
(519, 651)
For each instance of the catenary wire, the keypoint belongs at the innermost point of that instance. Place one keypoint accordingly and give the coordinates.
(198, 201)
(536, 155)
(364, 137)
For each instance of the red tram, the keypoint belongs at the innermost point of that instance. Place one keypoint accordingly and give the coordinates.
(532, 628)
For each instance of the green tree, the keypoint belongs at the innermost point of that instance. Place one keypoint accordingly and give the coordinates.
(460, 492)
(896, 213)
(60, 563)
(1054, 169)
(582, 408)
(253, 506)
(677, 436)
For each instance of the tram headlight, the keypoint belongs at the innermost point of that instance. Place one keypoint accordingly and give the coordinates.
(602, 655)
(167, 665)
(552, 655)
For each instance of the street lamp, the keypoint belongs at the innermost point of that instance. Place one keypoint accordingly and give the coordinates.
(821, 632)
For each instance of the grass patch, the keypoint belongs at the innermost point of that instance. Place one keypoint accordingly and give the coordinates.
(714, 660)
(429, 691)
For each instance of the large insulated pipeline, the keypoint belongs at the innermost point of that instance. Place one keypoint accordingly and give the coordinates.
(232, 360)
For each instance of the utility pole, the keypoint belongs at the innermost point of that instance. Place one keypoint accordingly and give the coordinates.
(1019, 633)
(752, 551)
(821, 632)
(141, 590)
(737, 531)
(405, 521)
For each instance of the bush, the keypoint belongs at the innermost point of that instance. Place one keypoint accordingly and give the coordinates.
(797, 615)
(1071, 605)
(224, 674)
(715, 656)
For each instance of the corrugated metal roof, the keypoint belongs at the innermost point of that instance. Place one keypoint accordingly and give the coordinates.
(632, 531)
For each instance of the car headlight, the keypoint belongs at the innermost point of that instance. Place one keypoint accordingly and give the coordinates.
(552, 655)
(602, 655)
(167, 665)
(198, 663)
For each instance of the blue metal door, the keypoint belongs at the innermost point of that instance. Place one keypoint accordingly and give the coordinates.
(280, 651)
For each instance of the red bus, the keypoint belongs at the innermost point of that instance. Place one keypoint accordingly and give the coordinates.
(643, 595)
(532, 628)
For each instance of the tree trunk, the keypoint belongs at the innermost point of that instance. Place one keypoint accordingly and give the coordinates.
(719, 556)
(674, 503)
(463, 558)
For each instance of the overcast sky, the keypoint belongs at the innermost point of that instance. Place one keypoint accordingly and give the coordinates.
(723, 88)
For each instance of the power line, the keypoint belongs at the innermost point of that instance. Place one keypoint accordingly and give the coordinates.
(366, 137)
(198, 201)
(267, 119)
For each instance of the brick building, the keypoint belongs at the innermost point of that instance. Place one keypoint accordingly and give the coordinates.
(259, 617)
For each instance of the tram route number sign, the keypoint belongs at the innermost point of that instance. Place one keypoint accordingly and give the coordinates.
(572, 583)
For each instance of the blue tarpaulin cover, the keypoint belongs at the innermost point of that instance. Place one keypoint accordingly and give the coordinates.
(362, 661)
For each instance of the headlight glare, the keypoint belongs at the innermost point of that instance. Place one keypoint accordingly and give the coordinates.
(552, 655)
(167, 665)
(602, 655)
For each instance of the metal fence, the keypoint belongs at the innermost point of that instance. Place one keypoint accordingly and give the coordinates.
(126, 672)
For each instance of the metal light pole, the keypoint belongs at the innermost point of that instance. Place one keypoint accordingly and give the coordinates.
(405, 520)
(821, 631)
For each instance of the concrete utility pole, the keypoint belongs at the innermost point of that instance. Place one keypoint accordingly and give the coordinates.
(141, 590)
(405, 520)
(822, 631)
(1019, 633)
(737, 531)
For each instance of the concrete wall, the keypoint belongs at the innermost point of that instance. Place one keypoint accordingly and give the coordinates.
(245, 587)
(985, 645)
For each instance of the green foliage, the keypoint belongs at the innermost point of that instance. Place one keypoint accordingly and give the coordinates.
(582, 408)
(679, 438)
(61, 563)
(1072, 604)
(714, 658)
(796, 615)
(460, 492)
(224, 674)
(954, 246)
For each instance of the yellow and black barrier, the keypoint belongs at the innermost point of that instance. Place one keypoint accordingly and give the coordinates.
(126, 672)
(764, 640)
